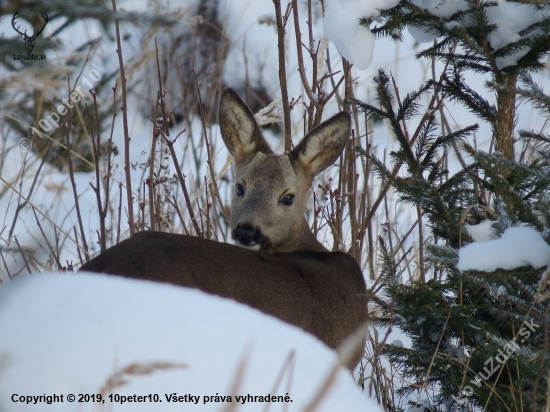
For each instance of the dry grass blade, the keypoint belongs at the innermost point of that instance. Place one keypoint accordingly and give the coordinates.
(324, 390)
(238, 379)
(43, 215)
(289, 364)
(22, 254)
(425, 383)
(346, 352)
(120, 378)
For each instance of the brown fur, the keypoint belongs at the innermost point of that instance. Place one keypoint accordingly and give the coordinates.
(323, 293)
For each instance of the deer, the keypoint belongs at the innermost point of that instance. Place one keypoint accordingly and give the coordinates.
(277, 265)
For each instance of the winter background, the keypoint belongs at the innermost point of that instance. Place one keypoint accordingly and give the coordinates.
(84, 333)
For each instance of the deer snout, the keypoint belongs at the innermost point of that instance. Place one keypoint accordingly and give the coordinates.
(251, 237)
(246, 234)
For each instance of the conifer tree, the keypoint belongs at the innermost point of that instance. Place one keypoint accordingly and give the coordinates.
(480, 340)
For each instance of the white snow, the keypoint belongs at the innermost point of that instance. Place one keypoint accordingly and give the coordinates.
(481, 232)
(420, 35)
(354, 41)
(68, 333)
(397, 343)
(510, 18)
(518, 246)
(442, 9)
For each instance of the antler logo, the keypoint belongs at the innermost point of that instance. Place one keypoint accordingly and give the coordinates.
(29, 40)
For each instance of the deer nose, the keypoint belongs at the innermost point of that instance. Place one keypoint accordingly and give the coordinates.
(246, 234)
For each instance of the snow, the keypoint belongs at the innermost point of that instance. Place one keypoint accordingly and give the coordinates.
(518, 246)
(69, 333)
(510, 17)
(354, 41)
(442, 9)
(481, 232)
(420, 35)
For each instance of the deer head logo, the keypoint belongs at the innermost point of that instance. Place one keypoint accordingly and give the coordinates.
(29, 40)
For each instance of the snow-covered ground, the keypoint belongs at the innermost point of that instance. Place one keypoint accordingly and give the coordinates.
(71, 334)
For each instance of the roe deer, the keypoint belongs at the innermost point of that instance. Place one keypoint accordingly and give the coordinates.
(282, 270)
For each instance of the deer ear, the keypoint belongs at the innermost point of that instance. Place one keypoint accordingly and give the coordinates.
(321, 147)
(240, 132)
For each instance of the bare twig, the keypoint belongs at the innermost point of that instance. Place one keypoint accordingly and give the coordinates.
(22, 254)
(5, 267)
(59, 266)
(420, 244)
(216, 193)
(178, 211)
(31, 190)
(151, 179)
(314, 100)
(124, 109)
(77, 249)
(165, 133)
(73, 183)
(102, 211)
(282, 73)
(119, 212)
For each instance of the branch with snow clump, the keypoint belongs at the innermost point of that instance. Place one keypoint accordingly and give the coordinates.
(518, 246)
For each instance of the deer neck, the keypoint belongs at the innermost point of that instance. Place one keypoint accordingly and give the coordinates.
(304, 240)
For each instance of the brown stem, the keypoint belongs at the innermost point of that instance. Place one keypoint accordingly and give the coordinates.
(102, 212)
(506, 116)
(282, 73)
(174, 203)
(181, 178)
(59, 266)
(541, 369)
(152, 164)
(165, 133)
(25, 202)
(22, 254)
(75, 194)
(208, 154)
(119, 213)
(420, 244)
(124, 109)
(301, 69)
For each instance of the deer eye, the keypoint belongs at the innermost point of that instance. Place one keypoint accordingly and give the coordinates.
(239, 190)
(288, 200)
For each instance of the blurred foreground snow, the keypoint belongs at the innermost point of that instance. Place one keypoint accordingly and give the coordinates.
(68, 334)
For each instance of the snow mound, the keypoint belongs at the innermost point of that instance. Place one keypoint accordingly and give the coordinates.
(518, 246)
(68, 334)
(354, 41)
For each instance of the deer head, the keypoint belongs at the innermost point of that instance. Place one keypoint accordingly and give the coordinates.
(270, 193)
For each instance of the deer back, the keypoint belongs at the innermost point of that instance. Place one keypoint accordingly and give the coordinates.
(321, 292)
